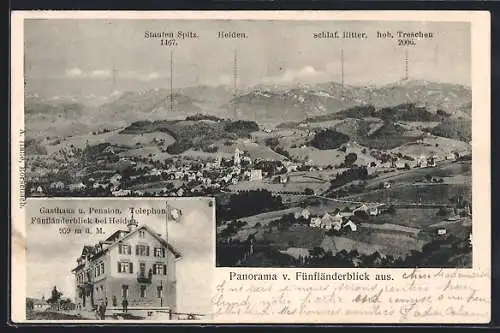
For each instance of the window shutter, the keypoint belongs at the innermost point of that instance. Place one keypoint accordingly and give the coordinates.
(147, 251)
(163, 252)
(154, 269)
(119, 268)
(120, 249)
(154, 252)
(131, 268)
(164, 269)
(137, 250)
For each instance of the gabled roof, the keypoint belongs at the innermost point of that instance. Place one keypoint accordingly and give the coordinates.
(91, 249)
(152, 233)
(115, 234)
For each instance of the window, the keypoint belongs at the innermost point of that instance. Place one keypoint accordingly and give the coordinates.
(124, 291)
(159, 269)
(124, 249)
(125, 267)
(143, 291)
(159, 291)
(142, 234)
(102, 268)
(142, 269)
(142, 250)
(159, 252)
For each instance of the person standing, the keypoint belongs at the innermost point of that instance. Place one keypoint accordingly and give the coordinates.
(102, 311)
(125, 305)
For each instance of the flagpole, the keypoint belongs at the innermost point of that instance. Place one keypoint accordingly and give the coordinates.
(164, 292)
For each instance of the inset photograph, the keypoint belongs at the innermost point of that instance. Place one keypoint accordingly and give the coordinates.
(119, 259)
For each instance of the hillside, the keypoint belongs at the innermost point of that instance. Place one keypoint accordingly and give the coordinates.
(33, 147)
(156, 101)
(388, 136)
(278, 106)
(202, 134)
(454, 128)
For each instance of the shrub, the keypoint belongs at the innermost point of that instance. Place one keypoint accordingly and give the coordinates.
(329, 139)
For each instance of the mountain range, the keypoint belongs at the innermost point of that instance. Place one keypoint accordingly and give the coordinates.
(267, 105)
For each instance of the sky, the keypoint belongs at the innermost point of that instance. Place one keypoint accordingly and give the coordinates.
(51, 256)
(85, 57)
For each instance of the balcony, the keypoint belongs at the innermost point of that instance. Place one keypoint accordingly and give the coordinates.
(144, 278)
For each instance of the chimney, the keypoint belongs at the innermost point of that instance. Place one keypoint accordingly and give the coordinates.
(132, 224)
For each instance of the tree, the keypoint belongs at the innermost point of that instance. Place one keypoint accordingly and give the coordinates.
(391, 209)
(350, 159)
(55, 297)
(329, 139)
(309, 191)
(317, 252)
(442, 211)
(29, 304)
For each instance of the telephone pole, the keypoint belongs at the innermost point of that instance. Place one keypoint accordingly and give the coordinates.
(171, 81)
(235, 81)
(342, 73)
(406, 76)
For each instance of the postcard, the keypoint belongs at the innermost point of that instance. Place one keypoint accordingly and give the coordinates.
(251, 167)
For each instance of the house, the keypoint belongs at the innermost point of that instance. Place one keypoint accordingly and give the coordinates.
(296, 252)
(431, 161)
(57, 186)
(441, 231)
(373, 211)
(99, 185)
(304, 213)
(38, 305)
(349, 224)
(256, 174)
(154, 172)
(387, 184)
(453, 156)
(326, 221)
(121, 193)
(363, 208)
(77, 187)
(315, 222)
(283, 179)
(136, 264)
(115, 179)
(400, 164)
(108, 150)
(337, 221)
(422, 162)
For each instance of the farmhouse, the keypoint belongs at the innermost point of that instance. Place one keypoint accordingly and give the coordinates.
(350, 225)
(38, 304)
(315, 222)
(304, 213)
(77, 187)
(57, 186)
(255, 175)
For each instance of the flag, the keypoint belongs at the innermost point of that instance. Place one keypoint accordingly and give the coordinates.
(174, 214)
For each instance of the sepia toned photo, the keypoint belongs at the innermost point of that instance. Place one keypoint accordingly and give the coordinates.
(251, 167)
(349, 160)
(119, 259)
